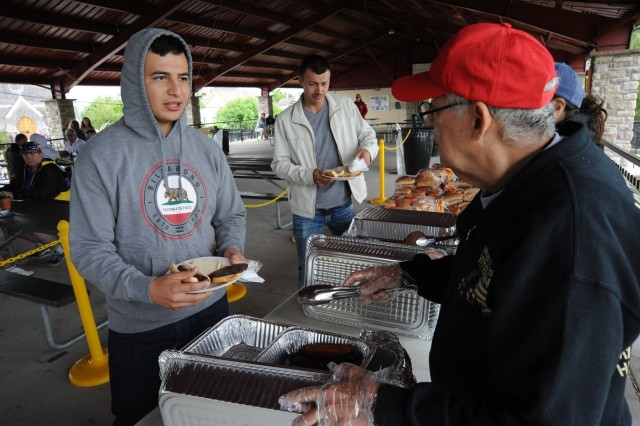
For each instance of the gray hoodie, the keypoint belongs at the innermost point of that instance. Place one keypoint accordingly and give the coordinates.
(140, 201)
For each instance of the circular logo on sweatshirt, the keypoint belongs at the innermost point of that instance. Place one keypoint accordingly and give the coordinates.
(174, 206)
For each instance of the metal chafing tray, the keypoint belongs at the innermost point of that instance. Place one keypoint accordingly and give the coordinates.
(396, 224)
(330, 259)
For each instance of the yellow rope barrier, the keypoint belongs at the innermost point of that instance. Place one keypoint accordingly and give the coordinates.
(29, 253)
(403, 141)
(266, 203)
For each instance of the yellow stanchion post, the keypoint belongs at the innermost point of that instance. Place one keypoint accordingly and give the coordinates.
(382, 198)
(92, 369)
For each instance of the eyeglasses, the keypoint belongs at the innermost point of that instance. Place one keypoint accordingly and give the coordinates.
(426, 108)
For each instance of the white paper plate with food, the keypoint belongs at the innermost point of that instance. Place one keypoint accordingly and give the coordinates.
(341, 173)
(219, 271)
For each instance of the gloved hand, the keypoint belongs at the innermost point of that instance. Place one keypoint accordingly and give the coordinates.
(345, 400)
(376, 278)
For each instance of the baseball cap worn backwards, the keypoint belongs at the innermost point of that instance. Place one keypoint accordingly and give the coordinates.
(491, 63)
(30, 148)
(570, 88)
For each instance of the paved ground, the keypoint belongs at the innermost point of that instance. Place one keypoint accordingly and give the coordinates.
(34, 387)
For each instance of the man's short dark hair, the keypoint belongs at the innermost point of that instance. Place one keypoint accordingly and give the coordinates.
(20, 138)
(167, 44)
(315, 63)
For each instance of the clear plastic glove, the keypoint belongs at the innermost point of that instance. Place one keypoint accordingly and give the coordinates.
(374, 279)
(346, 400)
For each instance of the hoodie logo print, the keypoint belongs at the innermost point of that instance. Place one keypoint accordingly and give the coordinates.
(174, 212)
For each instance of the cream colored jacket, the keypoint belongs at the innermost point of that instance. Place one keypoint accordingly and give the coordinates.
(294, 158)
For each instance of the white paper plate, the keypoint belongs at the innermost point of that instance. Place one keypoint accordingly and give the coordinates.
(342, 169)
(340, 178)
(223, 260)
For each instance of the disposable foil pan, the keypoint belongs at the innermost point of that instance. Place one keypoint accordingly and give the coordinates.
(293, 339)
(331, 259)
(395, 224)
(236, 381)
(236, 336)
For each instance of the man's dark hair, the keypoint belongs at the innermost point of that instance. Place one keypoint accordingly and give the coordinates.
(20, 138)
(167, 44)
(315, 63)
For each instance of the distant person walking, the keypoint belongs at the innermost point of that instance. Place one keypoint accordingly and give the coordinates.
(362, 106)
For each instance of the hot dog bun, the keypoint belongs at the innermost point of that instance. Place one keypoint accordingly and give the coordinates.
(182, 267)
(211, 270)
(228, 273)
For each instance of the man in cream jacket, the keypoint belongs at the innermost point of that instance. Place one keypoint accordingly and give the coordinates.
(318, 133)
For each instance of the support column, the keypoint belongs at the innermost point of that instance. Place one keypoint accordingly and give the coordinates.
(264, 105)
(616, 79)
(193, 112)
(59, 113)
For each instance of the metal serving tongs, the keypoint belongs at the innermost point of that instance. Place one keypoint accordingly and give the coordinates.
(324, 293)
(429, 241)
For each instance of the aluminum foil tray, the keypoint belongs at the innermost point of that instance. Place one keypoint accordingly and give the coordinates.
(293, 339)
(236, 336)
(186, 410)
(240, 382)
(395, 224)
(331, 259)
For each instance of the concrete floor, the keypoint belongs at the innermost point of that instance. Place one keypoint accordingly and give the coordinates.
(35, 389)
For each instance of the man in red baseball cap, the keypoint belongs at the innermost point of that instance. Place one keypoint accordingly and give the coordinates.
(541, 302)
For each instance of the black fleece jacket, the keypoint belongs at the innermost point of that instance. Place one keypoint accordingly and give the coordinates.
(540, 304)
(46, 183)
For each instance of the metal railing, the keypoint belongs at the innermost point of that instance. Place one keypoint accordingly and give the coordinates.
(634, 179)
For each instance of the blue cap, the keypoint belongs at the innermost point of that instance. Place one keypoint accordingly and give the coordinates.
(570, 88)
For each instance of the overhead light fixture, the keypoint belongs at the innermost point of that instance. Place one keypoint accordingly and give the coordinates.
(392, 31)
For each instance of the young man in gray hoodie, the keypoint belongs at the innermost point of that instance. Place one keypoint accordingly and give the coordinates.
(146, 192)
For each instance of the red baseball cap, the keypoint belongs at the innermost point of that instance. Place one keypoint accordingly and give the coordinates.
(491, 63)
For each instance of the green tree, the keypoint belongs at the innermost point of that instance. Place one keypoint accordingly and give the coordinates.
(103, 111)
(241, 113)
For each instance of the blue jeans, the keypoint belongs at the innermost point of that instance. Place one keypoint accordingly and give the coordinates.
(134, 373)
(337, 220)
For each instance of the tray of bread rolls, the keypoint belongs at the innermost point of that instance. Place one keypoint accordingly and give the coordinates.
(436, 189)
(330, 259)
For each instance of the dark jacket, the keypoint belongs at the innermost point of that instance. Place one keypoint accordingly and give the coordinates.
(14, 160)
(46, 183)
(540, 305)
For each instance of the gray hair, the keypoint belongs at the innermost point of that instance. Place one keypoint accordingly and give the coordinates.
(521, 127)
(70, 130)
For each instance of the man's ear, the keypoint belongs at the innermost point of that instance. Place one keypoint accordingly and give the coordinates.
(559, 105)
(481, 119)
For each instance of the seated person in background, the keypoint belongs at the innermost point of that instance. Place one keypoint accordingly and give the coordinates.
(73, 143)
(271, 121)
(86, 126)
(40, 179)
(13, 156)
(570, 101)
(47, 150)
(261, 127)
(89, 133)
(73, 124)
